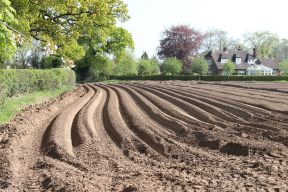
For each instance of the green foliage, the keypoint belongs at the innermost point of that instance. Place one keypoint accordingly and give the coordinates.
(200, 66)
(126, 65)
(118, 42)
(283, 66)
(148, 67)
(7, 43)
(281, 51)
(94, 67)
(15, 82)
(52, 61)
(264, 42)
(172, 66)
(71, 50)
(229, 68)
(57, 21)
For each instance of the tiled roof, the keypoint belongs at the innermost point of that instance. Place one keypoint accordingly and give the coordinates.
(269, 63)
(232, 54)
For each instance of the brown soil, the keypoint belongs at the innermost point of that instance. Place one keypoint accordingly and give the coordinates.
(150, 136)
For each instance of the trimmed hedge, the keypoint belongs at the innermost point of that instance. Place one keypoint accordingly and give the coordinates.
(15, 82)
(202, 78)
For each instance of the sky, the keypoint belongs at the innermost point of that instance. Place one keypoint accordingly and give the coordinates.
(149, 18)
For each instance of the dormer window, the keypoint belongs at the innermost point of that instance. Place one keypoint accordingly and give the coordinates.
(224, 60)
(250, 61)
(238, 60)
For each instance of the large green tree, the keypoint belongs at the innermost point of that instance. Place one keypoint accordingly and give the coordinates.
(56, 20)
(62, 23)
(7, 42)
(264, 42)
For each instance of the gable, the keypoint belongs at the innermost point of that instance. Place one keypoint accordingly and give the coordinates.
(245, 58)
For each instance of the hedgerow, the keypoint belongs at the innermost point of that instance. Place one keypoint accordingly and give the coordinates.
(202, 78)
(14, 82)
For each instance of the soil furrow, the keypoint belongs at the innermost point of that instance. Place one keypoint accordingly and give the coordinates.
(192, 110)
(59, 140)
(83, 130)
(218, 112)
(247, 99)
(222, 98)
(136, 123)
(156, 114)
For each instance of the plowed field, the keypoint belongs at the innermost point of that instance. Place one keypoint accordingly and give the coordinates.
(150, 136)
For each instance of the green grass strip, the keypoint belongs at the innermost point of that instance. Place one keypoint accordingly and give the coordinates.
(13, 105)
(112, 81)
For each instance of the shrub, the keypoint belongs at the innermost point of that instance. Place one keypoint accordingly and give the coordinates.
(283, 66)
(228, 68)
(200, 66)
(15, 82)
(172, 66)
(52, 61)
(148, 67)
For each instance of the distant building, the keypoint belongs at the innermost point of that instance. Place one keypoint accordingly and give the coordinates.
(245, 63)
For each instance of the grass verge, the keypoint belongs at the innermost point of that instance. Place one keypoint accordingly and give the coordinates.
(111, 81)
(13, 105)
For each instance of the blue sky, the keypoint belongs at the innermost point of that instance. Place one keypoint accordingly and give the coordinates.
(150, 17)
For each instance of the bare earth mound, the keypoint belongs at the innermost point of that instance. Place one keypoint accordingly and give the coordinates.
(150, 136)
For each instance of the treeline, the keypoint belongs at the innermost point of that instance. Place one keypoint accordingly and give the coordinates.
(198, 77)
(85, 36)
(50, 34)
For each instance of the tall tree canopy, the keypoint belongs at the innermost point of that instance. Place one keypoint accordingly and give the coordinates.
(281, 51)
(55, 20)
(62, 23)
(181, 42)
(215, 39)
(7, 43)
(264, 42)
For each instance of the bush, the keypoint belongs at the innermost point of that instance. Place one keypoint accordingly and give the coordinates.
(172, 66)
(229, 68)
(283, 66)
(52, 61)
(148, 67)
(15, 82)
(200, 66)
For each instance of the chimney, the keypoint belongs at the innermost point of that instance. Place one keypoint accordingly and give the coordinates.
(254, 52)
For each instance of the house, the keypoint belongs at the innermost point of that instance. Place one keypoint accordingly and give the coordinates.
(245, 63)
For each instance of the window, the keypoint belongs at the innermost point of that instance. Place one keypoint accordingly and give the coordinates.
(238, 60)
(241, 72)
(250, 61)
(224, 60)
(209, 62)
